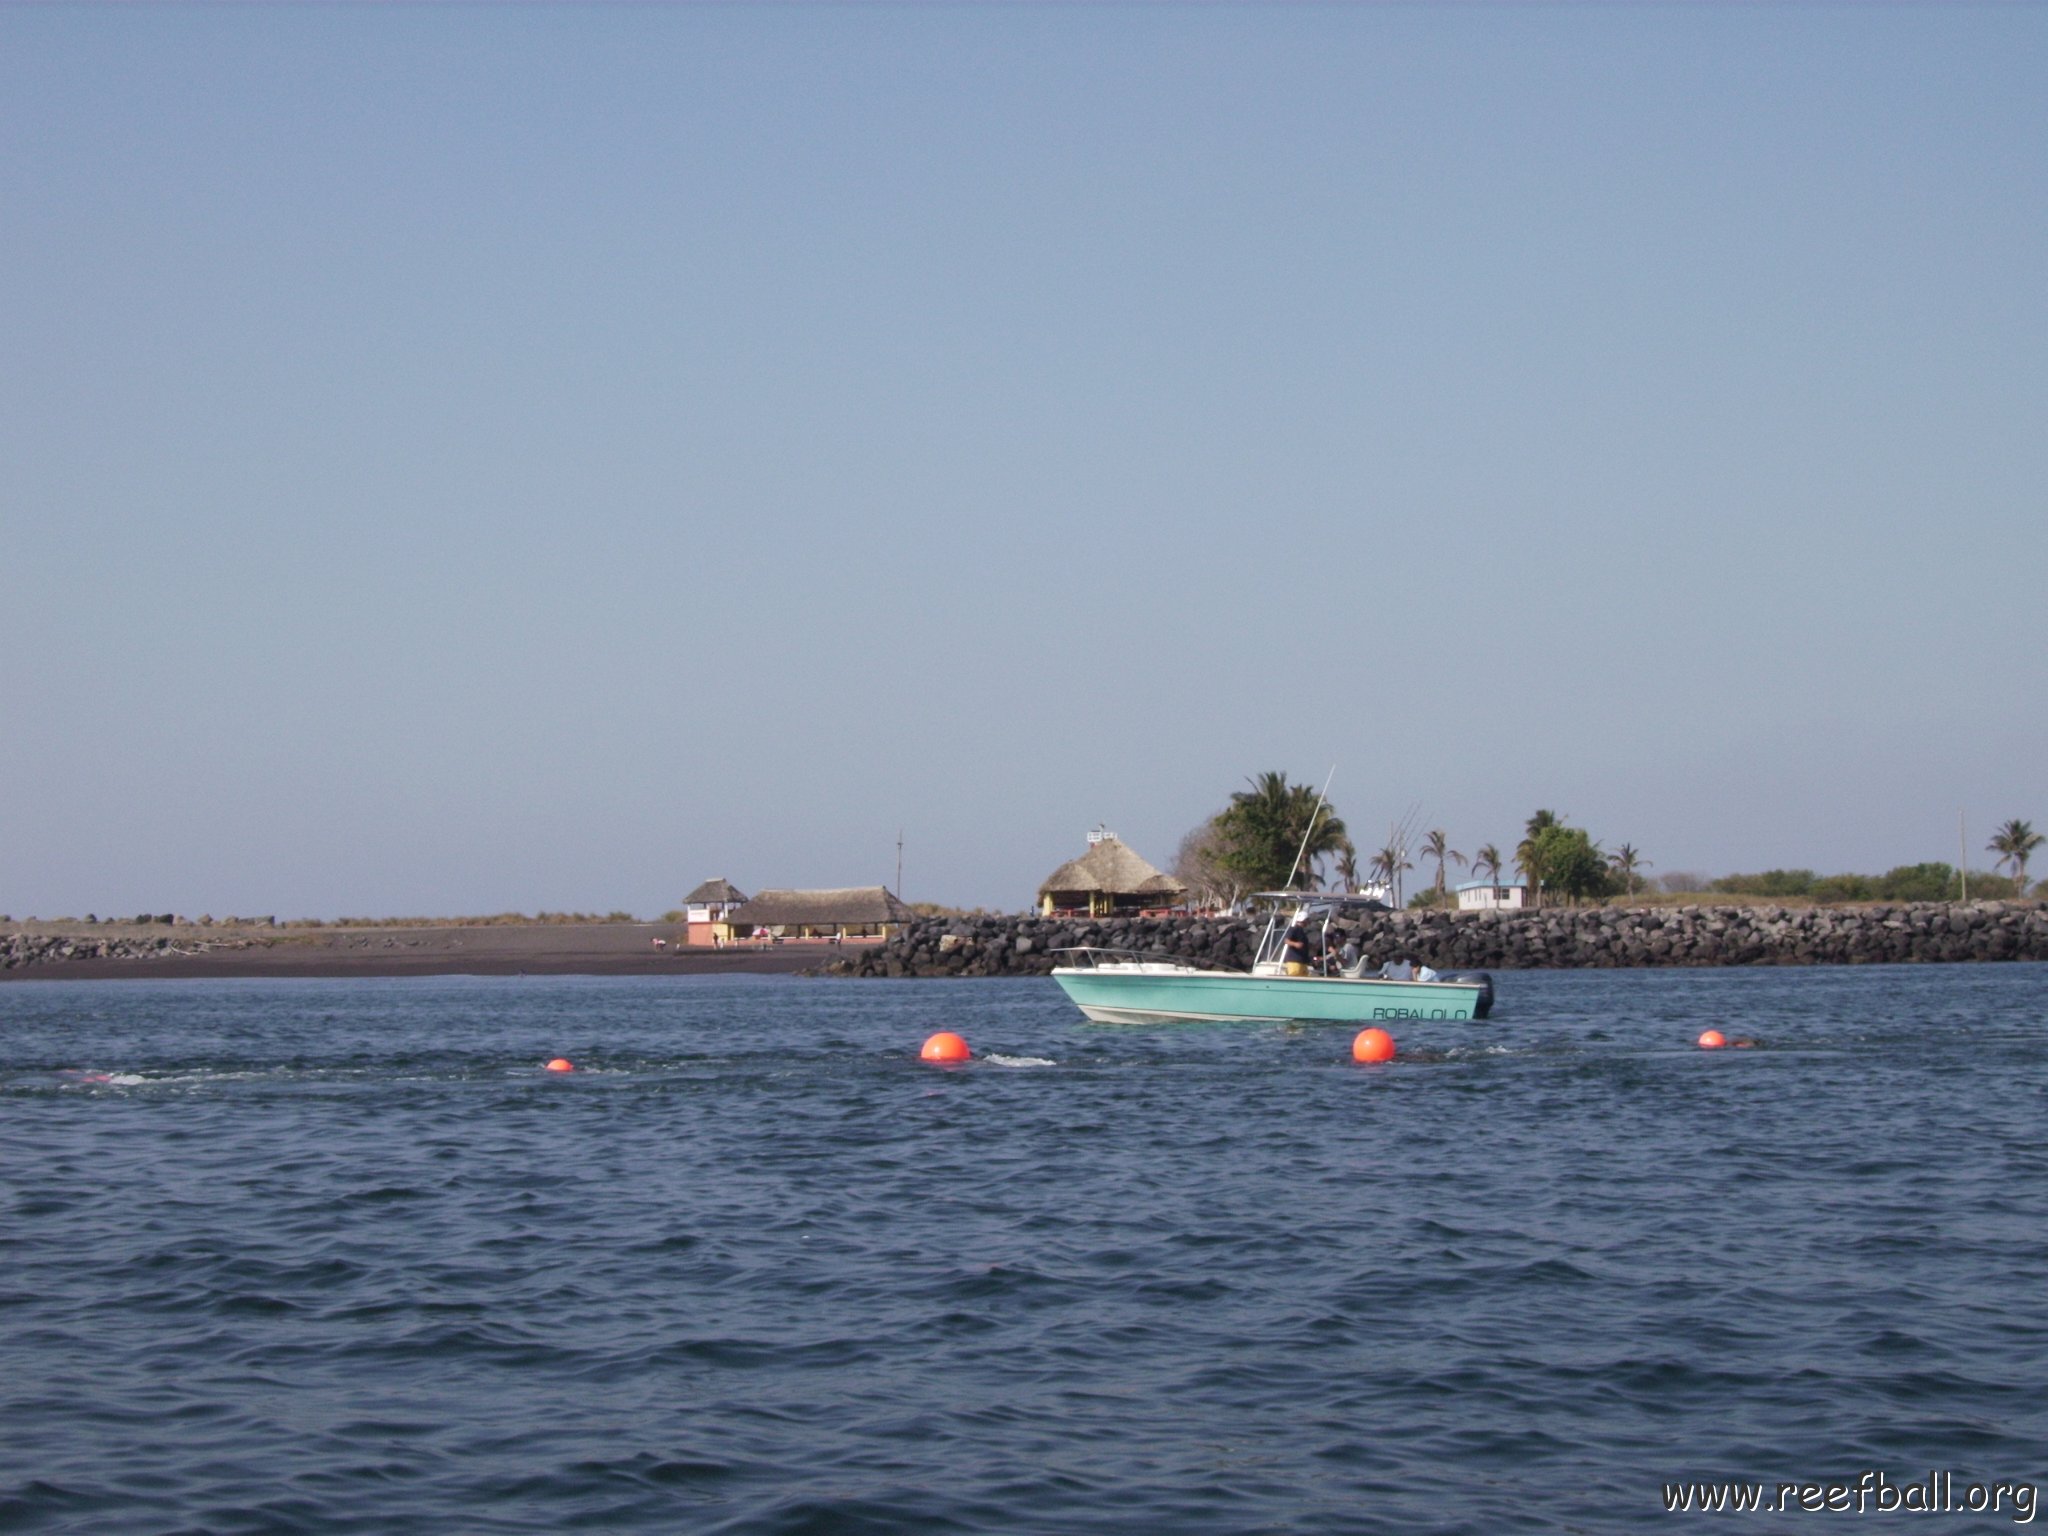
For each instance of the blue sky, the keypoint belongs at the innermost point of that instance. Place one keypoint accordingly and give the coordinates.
(458, 459)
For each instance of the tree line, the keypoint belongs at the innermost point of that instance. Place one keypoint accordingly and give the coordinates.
(1274, 836)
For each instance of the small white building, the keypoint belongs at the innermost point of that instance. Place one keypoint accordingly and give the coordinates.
(1492, 895)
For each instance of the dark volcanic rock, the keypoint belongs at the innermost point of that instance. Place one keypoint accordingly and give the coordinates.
(1553, 938)
(18, 950)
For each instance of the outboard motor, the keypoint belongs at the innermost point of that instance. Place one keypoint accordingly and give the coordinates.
(1484, 1006)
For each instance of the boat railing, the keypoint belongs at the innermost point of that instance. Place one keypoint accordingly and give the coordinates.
(1095, 956)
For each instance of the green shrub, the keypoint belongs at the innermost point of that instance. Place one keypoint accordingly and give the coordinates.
(1985, 886)
(1918, 882)
(1772, 882)
(1572, 865)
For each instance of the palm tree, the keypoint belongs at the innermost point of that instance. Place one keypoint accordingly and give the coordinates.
(2014, 844)
(1271, 823)
(1488, 859)
(1437, 846)
(1388, 864)
(1626, 861)
(1347, 867)
(1529, 858)
(1325, 835)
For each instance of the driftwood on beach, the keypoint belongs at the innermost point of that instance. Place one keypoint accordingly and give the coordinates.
(1552, 938)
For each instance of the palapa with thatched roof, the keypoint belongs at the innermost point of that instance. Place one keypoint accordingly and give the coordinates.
(861, 911)
(707, 911)
(1107, 878)
(715, 893)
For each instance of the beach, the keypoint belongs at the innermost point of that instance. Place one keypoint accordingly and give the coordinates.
(189, 950)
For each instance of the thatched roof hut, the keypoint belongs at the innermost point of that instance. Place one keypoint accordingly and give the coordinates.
(817, 914)
(715, 893)
(1107, 878)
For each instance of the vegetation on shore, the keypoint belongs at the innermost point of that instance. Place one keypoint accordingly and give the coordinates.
(1272, 836)
(1252, 845)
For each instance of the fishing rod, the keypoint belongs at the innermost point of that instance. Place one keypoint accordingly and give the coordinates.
(1322, 796)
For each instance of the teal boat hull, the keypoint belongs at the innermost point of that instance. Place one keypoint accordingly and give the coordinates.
(1112, 994)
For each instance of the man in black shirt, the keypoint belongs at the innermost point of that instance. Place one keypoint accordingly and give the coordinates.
(1294, 951)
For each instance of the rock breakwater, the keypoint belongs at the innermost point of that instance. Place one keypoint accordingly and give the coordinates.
(18, 950)
(1554, 938)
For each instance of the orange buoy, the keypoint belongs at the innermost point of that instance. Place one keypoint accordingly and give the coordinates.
(1712, 1040)
(561, 1064)
(1373, 1045)
(945, 1046)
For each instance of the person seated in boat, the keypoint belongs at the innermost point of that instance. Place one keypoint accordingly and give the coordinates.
(1294, 951)
(1347, 958)
(1424, 973)
(1397, 970)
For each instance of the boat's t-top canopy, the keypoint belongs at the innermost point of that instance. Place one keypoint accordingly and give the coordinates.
(1328, 903)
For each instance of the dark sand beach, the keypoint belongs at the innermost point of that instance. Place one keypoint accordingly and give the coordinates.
(531, 949)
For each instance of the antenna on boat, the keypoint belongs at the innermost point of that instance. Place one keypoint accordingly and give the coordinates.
(1309, 831)
(1400, 839)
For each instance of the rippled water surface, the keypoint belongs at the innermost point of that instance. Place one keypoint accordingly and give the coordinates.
(338, 1256)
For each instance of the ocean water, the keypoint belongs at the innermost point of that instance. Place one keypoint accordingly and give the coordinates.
(338, 1256)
